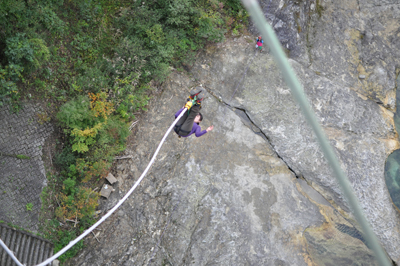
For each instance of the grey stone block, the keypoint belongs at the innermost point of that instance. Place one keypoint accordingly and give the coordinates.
(106, 190)
(111, 178)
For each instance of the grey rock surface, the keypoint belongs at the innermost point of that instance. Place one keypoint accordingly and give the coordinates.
(361, 131)
(342, 40)
(214, 210)
(226, 198)
(355, 38)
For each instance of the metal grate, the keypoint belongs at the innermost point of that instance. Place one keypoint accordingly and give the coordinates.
(28, 248)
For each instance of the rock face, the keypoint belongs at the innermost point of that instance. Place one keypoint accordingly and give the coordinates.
(256, 190)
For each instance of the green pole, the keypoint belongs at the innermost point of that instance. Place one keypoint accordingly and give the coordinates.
(298, 93)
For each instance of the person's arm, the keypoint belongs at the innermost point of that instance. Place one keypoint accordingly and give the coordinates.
(198, 132)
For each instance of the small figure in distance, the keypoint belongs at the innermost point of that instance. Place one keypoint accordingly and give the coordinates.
(189, 123)
(259, 44)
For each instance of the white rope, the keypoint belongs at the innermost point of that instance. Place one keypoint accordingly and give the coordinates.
(72, 243)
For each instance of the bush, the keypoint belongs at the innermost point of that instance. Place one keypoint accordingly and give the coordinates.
(76, 113)
(51, 21)
(94, 131)
(128, 60)
(83, 139)
(8, 87)
(69, 186)
(79, 205)
(65, 158)
(97, 169)
(91, 80)
(116, 132)
(63, 239)
(30, 53)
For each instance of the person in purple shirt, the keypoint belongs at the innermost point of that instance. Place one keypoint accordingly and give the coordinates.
(189, 122)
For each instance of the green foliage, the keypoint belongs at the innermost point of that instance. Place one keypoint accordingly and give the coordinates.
(91, 80)
(97, 169)
(51, 21)
(123, 111)
(95, 132)
(127, 63)
(63, 239)
(82, 203)
(41, 53)
(170, 31)
(65, 158)
(105, 45)
(29, 206)
(85, 46)
(116, 131)
(30, 53)
(208, 23)
(83, 139)
(23, 157)
(24, 56)
(69, 186)
(8, 87)
(76, 113)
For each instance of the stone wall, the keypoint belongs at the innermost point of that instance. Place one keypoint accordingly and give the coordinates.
(22, 180)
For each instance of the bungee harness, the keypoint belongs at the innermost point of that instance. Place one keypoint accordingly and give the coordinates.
(192, 100)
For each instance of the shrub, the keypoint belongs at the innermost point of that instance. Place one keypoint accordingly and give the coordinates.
(81, 204)
(123, 111)
(30, 53)
(8, 88)
(91, 80)
(69, 186)
(41, 53)
(63, 239)
(83, 139)
(76, 113)
(208, 26)
(51, 21)
(97, 169)
(116, 132)
(100, 106)
(125, 67)
(65, 158)
(134, 101)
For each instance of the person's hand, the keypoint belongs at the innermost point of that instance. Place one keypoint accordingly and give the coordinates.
(209, 128)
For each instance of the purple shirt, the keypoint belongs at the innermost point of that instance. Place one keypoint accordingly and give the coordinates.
(196, 129)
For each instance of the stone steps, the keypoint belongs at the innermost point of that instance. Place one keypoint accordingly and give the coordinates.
(28, 248)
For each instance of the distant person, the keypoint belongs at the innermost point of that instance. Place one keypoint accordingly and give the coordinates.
(259, 43)
(189, 123)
